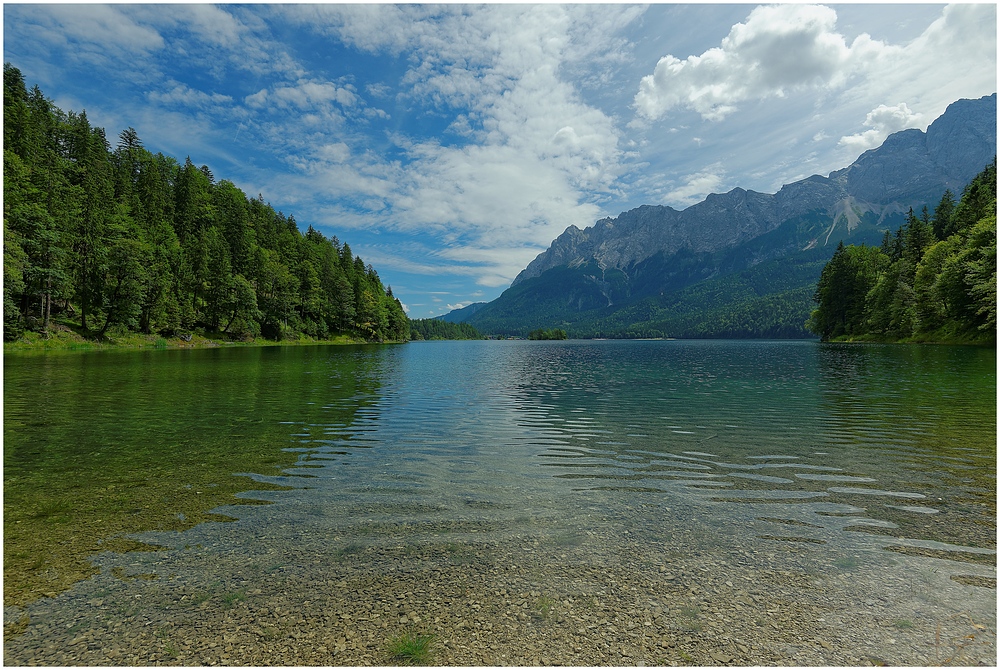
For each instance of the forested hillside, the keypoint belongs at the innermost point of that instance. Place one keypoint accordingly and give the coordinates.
(934, 280)
(113, 240)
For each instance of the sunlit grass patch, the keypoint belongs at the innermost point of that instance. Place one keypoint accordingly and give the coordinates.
(411, 648)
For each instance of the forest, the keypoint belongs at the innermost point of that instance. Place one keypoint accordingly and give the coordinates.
(547, 334)
(436, 329)
(109, 241)
(934, 280)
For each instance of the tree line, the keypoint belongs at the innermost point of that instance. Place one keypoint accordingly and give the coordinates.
(124, 240)
(436, 329)
(548, 334)
(935, 279)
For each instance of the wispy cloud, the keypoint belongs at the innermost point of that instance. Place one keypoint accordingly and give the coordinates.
(177, 93)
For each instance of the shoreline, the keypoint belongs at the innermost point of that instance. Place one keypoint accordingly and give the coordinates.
(67, 341)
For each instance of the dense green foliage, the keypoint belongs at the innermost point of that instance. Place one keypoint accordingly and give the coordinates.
(547, 334)
(934, 280)
(124, 240)
(436, 329)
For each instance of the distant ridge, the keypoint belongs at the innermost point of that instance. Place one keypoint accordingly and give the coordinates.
(462, 314)
(611, 278)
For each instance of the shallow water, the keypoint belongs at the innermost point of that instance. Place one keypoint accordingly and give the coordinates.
(860, 477)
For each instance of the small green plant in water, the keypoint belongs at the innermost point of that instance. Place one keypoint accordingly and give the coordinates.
(57, 511)
(543, 608)
(230, 599)
(903, 624)
(411, 649)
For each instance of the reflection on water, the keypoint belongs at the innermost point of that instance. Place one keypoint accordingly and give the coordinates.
(868, 472)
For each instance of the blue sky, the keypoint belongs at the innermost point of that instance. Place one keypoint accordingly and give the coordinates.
(450, 144)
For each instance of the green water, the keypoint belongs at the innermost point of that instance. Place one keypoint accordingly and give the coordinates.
(878, 462)
(99, 445)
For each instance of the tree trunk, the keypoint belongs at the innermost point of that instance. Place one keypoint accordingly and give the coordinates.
(86, 296)
(111, 310)
(47, 304)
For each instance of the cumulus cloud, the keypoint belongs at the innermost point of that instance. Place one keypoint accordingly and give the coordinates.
(778, 48)
(882, 122)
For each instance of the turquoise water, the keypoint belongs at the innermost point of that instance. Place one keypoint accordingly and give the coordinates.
(875, 462)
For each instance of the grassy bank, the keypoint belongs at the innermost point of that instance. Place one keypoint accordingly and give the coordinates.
(67, 336)
(937, 337)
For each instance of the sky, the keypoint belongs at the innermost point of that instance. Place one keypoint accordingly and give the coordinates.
(450, 144)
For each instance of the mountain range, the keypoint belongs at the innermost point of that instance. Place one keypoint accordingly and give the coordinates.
(742, 263)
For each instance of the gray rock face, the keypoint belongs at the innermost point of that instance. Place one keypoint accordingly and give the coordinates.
(911, 163)
(909, 169)
(720, 220)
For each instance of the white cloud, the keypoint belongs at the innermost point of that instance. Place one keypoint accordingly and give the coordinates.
(882, 122)
(93, 25)
(130, 38)
(304, 94)
(211, 24)
(778, 48)
(335, 152)
(379, 90)
(181, 94)
(695, 187)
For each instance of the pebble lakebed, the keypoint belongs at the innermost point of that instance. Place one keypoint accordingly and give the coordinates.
(526, 601)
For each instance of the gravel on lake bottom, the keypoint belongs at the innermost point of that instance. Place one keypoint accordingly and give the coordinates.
(527, 601)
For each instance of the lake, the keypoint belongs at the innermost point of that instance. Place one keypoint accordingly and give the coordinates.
(519, 503)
